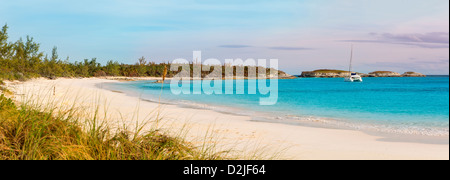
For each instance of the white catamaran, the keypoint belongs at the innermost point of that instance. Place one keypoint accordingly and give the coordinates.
(353, 77)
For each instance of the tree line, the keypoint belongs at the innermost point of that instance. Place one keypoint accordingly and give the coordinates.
(22, 59)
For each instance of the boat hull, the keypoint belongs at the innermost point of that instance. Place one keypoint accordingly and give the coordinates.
(356, 78)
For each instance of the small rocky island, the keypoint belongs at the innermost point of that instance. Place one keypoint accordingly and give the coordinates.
(332, 73)
(413, 74)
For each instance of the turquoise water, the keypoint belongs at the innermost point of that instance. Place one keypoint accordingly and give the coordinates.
(398, 105)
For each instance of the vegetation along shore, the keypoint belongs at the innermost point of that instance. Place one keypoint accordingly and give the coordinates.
(332, 73)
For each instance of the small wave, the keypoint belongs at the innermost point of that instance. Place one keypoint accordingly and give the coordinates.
(405, 129)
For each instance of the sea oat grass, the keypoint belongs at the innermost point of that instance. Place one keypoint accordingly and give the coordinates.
(29, 134)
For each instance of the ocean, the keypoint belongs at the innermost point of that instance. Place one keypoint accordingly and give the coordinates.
(404, 105)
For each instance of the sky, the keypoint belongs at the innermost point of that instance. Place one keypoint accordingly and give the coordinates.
(393, 35)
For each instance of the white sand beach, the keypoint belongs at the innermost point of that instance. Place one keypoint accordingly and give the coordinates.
(241, 134)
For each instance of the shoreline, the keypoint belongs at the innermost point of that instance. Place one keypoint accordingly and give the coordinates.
(390, 132)
(302, 142)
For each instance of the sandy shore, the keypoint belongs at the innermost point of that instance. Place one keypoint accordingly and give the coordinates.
(244, 136)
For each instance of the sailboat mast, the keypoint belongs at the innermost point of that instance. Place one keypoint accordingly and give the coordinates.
(351, 59)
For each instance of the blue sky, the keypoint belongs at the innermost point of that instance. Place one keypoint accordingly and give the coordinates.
(398, 35)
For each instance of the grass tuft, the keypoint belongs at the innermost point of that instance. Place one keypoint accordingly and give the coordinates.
(4, 90)
(29, 134)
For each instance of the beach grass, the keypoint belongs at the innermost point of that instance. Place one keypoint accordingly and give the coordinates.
(27, 133)
(3, 89)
